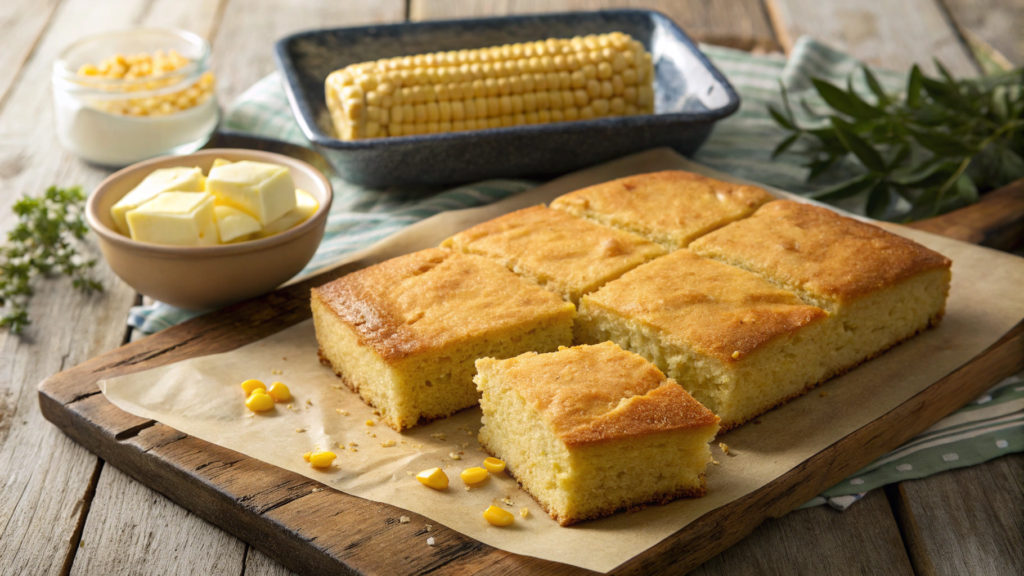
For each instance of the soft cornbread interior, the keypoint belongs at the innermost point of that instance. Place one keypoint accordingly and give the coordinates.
(593, 429)
(566, 255)
(879, 288)
(672, 208)
(405, 333)
(737, 343)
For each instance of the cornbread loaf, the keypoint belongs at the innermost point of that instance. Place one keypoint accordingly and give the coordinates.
(593, 429)
(405, 333)
(672, 208)
(553, 80)
(879, 288)
(739, 344)
(566, 255)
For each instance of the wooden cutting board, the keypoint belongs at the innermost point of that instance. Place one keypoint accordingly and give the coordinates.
(313, 529)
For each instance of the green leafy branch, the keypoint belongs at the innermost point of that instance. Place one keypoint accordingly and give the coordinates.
(43, 242)
(936, 146)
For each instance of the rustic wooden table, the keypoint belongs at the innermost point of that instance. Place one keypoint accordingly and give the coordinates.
(63, 511)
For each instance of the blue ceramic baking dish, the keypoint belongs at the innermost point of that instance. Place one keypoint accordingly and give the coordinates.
(690, 96)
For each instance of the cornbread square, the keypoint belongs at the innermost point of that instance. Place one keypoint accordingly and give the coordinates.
(880, 288)
(593, 429)
(739, 344)
(566, 255)
(672, 208)
(404, 333)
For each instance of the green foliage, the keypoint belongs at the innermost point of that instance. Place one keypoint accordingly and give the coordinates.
(938, 145)
(43, 242)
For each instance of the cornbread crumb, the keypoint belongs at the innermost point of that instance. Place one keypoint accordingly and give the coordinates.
(430, 541)
(429, 526)
(507, 501)
(524, 511)
(403, 519)
(439, 436)
(454, 456)
(387, 443)
(353, 444)
(715, 462)
(342, 412)
(315, 490)
(309, 402)
(724, 448)
(300, 430)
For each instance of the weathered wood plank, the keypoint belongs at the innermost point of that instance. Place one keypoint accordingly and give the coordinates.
(51, 481)
(997, 22)
(244, 43)
(889, 34)
(126, 534)
(966, 521)
(740, 24)
(21, 24)
(863, 540)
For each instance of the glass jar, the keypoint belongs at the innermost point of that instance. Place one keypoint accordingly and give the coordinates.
(114, 119)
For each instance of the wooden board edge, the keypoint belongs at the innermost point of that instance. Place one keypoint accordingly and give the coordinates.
(720, 528)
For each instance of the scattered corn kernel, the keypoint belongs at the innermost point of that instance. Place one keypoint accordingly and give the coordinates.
(259, 402)
(369, 423)
(524, 511)
(251, 386)
(473, 475)
(493, 465)
(434, 477)
(498, 516)
(306, 456)
(279, 392)
(322, 459)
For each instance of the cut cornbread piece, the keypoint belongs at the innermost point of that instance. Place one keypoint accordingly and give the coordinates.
(672, 208)
(880, 288)
(738, 343)
(566, 255)
(593, 429)
(404, 333)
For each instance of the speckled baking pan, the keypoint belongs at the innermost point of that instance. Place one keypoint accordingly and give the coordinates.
(690, 96)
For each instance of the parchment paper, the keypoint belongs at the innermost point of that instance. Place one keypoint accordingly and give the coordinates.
(202, 397)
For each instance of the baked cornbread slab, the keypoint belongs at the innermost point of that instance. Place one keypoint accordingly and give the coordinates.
(879, 287)
(594, 429)
(566, 255)
(405, 333)
(739, 344)
(672, 208)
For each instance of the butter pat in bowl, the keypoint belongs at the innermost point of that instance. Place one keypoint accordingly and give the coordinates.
(211, 228)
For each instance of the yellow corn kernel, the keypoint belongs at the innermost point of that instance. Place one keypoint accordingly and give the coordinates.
(370, 422)
(434, 478)
(498, 517)
(279, 392)
(251, 386)
(493, 465)
(473, 475)
(322, 459)
(259, 402)
(306, 456)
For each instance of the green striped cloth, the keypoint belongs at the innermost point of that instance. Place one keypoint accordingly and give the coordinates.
(740, 145)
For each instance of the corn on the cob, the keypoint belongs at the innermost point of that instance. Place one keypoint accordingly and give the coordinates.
(553, 80)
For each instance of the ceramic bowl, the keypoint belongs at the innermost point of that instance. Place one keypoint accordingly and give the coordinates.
(207, 277)
(690, 96)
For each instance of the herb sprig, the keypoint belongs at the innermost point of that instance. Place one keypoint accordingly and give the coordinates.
(937, 146)
(43, 242)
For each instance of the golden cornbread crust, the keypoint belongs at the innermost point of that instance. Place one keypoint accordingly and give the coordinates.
(566, 255)
(659, 500)
(716, 309)
(432, 299)
(602, 393)
(671, 208)
(815, 250)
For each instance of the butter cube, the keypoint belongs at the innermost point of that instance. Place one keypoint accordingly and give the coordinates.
(234, 225)
(175, 219)
(180, 179)
(219, 162)
(305, 206)
(265, 191)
